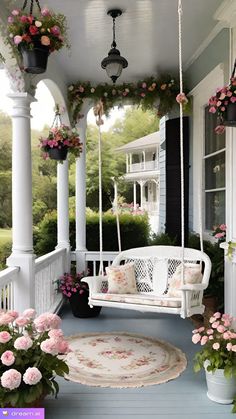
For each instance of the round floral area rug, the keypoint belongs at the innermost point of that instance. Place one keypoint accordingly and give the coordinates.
(122, 360)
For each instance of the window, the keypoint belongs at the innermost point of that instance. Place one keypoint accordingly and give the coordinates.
(214, 159)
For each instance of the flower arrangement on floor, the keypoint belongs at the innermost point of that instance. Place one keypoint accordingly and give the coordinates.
(47, 28)
(71, 283)
(218, 340)
(62, 138)
(151, 93)
(221, 102)
(30, 350)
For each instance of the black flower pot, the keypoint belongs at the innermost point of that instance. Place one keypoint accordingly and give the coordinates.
(79, 305)
(230, 118)
(35, 60)
(58, 153)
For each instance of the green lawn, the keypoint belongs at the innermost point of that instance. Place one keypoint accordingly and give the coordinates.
(5, 236)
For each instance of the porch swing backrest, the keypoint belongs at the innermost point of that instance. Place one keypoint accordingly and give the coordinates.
(155, 265)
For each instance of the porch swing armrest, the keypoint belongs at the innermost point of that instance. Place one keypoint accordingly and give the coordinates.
(193, 287)
(94, 283)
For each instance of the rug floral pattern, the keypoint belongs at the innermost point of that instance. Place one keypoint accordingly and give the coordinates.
(122, 360)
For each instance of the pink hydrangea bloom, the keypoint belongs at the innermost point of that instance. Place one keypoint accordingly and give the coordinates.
(29, 313)
(55, 333)
(5, 337)
(32, 376)
(23, 343)
(5, 318)
(11, 379)
(8, 358)
(47, 321)
(21, 321)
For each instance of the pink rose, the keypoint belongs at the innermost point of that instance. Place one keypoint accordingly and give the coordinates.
(217, 315)
(142, 94)
(55, 30)
(45, 40)
(33, 30)
(144, 85)
(50, 346)
(17, 39)
(8, 358)
(210, 331)
(229, 346)
(212, 109)
(32, 376)
(233, 99)
(21, 321)
(211, 337)
(45, 12)
(23, 343)
(196, 338)
(63, 347)
(221, 328)
(215, 325)
(10, 19)
(212, 319)
(201, 329)
(11, 379)
(181, 98)
(233, 348)
(5, 337)
(204, 340)
(216, 346)
(47, 321)
(219, 235)
(14, 314)
(5, 319)
(220, 129)
(29, 313)
(24, 19)
(226, 335)
(15, 12)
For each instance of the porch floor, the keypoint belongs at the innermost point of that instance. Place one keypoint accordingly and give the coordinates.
(182, 398)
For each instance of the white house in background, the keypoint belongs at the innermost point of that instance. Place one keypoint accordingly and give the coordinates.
(142, 170)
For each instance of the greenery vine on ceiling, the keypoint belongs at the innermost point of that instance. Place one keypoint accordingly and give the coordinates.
(151, 93)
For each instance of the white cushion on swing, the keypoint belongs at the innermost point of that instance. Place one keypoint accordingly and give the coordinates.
(192, 275)
(121, 279)
(142, 299)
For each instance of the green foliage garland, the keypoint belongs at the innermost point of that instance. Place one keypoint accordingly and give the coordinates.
(150, 93)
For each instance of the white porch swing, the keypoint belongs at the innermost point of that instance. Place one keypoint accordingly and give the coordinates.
(169, 279)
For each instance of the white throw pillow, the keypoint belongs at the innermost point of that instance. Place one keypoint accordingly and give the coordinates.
(121, 279)
(192, 275)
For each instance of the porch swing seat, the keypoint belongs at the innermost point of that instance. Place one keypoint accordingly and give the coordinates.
(154, 267)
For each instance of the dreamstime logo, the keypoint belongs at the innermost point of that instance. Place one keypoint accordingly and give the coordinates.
(37, 413)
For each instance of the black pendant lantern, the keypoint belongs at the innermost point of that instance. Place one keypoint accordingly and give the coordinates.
(114, 62)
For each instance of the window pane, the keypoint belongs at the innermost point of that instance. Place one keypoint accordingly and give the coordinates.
(213, 142)
(215, 171)
(215, 209)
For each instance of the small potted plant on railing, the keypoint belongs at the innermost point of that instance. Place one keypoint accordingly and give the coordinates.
(223, 103)
(31, 353)
(77, 293)
(36, 36)
(217, 357)
(60, 140)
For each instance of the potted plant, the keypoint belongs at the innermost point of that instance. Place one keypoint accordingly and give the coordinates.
(36, 36)
(217, 357)
(77, 293)
(59, 141)
(31, 352)
(223, 103)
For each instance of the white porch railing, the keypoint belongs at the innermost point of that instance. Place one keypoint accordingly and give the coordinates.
(48, 269)
(144, 166)
(92, 259)
(7, 279)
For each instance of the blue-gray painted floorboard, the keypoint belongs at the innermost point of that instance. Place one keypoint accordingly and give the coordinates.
(183, 398)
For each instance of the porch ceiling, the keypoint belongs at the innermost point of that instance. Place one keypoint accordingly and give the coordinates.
(147, 35)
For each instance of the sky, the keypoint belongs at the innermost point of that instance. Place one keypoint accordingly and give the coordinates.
(42, 111)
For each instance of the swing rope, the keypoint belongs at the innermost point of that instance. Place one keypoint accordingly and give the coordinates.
(98, 112)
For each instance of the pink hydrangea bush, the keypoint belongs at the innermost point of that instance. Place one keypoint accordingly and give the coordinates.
(46, 28)
(31, 355)
(218, 341)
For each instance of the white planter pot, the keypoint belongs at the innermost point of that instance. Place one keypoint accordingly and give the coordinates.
(220, 389)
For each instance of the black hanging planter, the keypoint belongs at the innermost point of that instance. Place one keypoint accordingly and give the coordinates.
(58, 153)
(230, 117)
(35, 60)
(79, 305)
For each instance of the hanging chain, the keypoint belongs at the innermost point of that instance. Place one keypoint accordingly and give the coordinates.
(31, 5)
(113, 45)
(57, 122)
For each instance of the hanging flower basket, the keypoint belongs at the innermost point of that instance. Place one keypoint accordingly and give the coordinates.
(34, 60)
(223, 103)
(35, 36)
(60, 140)
(58, 153)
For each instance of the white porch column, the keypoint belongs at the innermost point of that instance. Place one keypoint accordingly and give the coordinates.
(142, 197)
(130, 162)
(127, 163)
(22, 224)
(135, 196)
(63, 240)
(80, 191)
(144, 160)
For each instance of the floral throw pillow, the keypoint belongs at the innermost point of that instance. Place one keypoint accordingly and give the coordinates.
(121, 279)
(192, 275)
